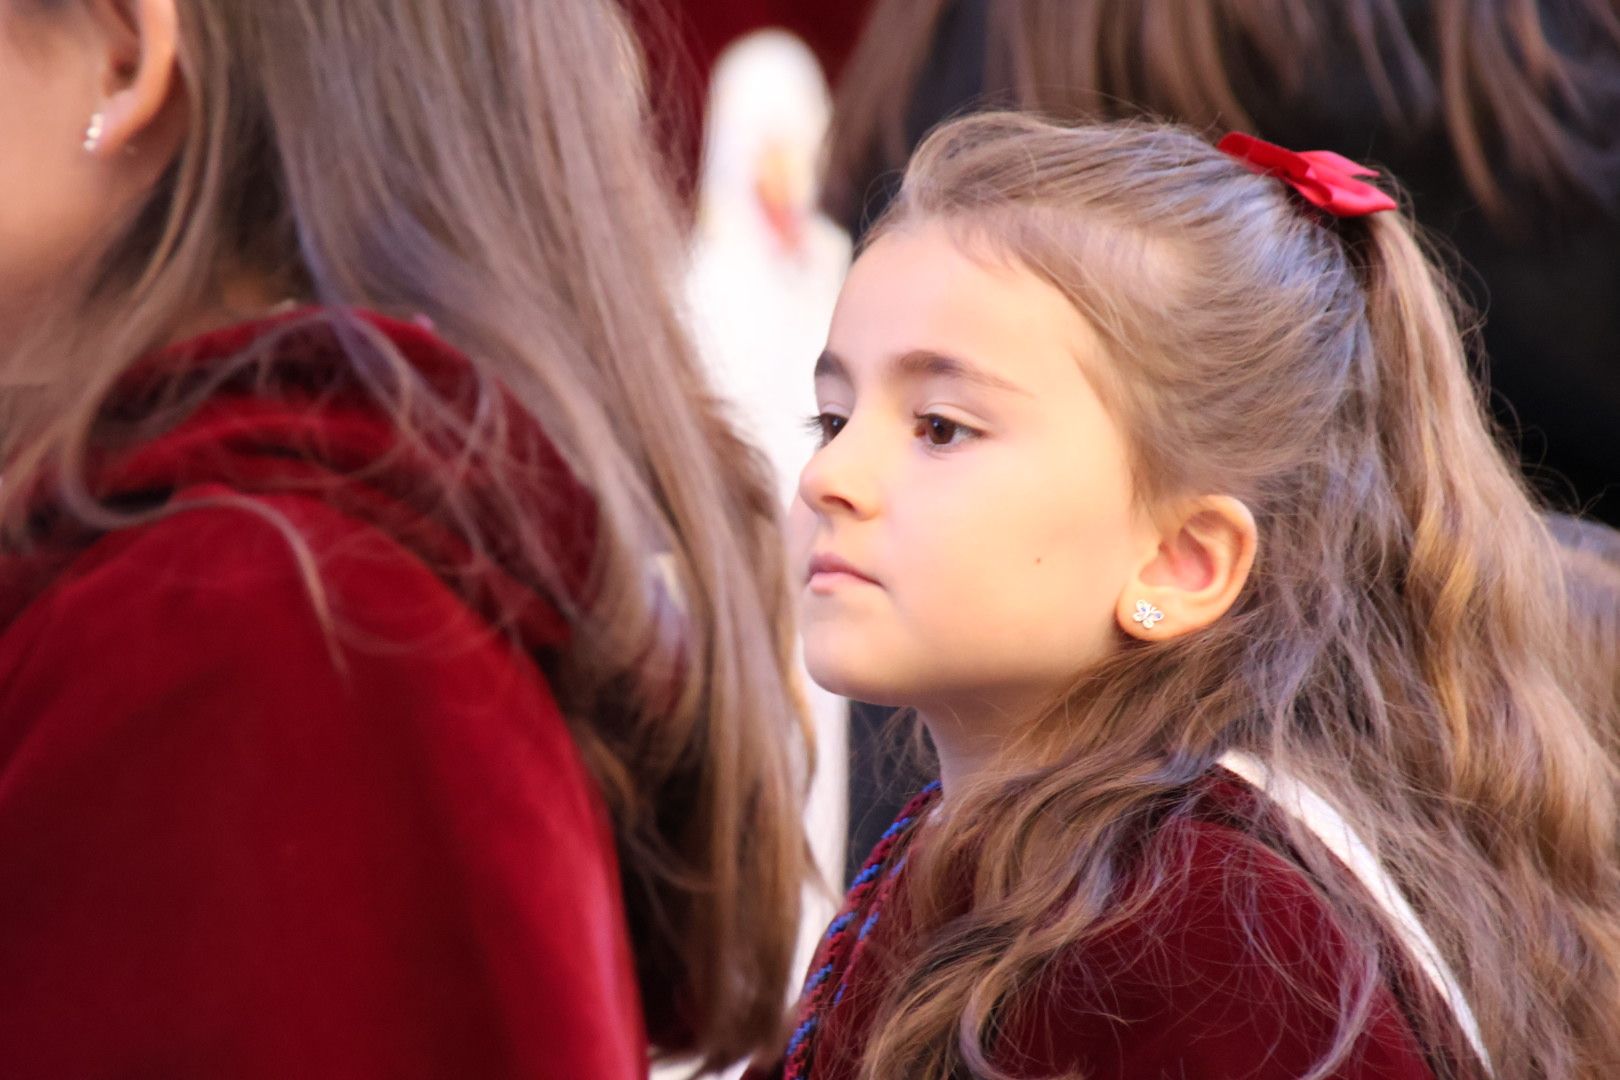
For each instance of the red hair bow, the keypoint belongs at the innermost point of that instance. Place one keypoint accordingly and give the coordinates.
(1323, 177)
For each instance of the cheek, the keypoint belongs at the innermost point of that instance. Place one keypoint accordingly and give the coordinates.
(49, 202)
(800, 534)
(1001, 573)
(1036, 561)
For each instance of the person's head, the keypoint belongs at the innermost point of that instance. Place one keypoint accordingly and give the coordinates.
(168, 164)
(972, 468)
(1080, 370)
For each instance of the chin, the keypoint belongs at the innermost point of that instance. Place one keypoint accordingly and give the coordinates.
(856, 681)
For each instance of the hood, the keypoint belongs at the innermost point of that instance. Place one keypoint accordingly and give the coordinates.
(303, 417)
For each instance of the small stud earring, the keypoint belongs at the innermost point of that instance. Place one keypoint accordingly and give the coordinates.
(1146, 614)
(92, 134)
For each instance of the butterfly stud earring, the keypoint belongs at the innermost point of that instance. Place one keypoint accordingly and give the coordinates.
(1146, 614)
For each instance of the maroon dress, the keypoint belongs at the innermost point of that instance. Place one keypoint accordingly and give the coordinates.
(239, 840)
(1230, 970)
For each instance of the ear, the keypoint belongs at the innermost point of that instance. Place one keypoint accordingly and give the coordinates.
(140, 81)
(1196, 567)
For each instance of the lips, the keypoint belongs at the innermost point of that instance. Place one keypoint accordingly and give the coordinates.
(829, 568)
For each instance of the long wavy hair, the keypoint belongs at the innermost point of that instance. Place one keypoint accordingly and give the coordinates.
(1519, 88)
(1402, 646)
(485, 165)
(1592, 564)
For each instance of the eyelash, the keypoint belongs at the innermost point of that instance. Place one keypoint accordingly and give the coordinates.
(821, 426)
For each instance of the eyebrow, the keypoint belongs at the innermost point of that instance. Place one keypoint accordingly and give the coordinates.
(923, 364)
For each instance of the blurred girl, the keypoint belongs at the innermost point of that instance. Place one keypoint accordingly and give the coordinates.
(393, 666)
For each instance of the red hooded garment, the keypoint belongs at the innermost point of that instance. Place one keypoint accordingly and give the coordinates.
(233, 844)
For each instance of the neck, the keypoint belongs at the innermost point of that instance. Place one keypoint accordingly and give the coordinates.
(967, 740)
(240, 298)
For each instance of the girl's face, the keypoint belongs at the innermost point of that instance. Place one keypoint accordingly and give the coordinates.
(970, 480)
(52, 193)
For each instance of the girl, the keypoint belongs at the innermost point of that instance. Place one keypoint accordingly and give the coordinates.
(393, 680)
(1159, 490)
(1502, 119)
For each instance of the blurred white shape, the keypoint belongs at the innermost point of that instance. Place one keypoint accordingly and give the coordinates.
(765, 271)
(766, 264)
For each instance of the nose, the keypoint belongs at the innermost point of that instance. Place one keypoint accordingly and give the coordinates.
(839, 478)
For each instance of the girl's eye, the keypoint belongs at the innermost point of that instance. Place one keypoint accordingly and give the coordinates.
(942, 432)
(825, 426)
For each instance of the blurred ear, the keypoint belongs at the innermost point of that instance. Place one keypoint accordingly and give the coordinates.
(1195, 572)
(140, 84)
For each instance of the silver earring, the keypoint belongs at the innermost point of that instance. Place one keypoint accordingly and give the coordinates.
(92, 134)
(1148, 615)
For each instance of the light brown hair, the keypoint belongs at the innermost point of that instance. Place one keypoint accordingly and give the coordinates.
(1402, 647)
(1512, 98)
(1591, 553)
(484, 165)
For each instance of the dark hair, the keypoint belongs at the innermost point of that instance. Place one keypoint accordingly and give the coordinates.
(1516, 89)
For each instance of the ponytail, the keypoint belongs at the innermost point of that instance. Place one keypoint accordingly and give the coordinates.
(1464, 555)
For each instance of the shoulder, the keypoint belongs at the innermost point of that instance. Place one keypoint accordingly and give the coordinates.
(1212, 910)
(360, 818)
(273, 610)
(232, 571)
(1227, 962)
